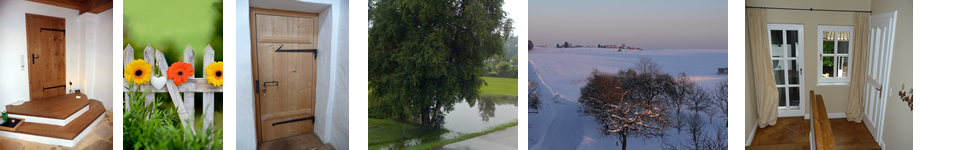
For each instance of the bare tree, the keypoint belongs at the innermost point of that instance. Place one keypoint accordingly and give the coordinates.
(718, 142)
(680, 121)
(699, 99)
(711, 112)
(697, 131)
(534, 97)
(680, 91)
(720, 96)
(620, 116)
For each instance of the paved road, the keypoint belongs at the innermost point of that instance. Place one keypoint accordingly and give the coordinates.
(503, 139)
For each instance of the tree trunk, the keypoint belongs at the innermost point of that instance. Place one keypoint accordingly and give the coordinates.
(624, 140)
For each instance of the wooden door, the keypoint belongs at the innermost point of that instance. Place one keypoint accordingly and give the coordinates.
(46, 47)
(881, 42)
(284, 71)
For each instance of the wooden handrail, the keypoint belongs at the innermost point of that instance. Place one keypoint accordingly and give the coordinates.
(824, 138)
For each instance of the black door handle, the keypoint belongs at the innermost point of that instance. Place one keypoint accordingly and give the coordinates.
(274, 82)
(34, 58)
(264, 85)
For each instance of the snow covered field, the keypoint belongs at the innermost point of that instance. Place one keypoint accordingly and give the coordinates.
(561, 72)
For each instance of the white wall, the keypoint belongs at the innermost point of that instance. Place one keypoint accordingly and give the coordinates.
(13, 34)
(102, 86)
(331, 84)
(338, 134)
(245, 112)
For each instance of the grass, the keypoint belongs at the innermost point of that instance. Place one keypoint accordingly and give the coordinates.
(383, 133)
(508, 86)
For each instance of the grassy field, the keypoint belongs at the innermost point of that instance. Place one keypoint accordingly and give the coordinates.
(508, 86)
(382, 133)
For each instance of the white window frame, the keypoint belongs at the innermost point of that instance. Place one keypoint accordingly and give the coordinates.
(833, 81)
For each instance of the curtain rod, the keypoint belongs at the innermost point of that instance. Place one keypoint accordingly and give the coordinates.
(809, 9)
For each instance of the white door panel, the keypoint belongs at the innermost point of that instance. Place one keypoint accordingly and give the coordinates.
(881, 44)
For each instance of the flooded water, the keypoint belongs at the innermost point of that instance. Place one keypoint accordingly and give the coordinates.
(471, 116)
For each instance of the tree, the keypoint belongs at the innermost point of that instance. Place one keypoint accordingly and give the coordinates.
(530, 45)
(697, 131)
(681, 91)
(534, 97)
(566, 44)
(720, 96)
(699, 100)
(426, 56)
(503, 67)
(620, 116)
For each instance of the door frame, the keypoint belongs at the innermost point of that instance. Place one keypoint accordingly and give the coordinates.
(876, 126)
(32, 50)
(253, 54)
(799, 57)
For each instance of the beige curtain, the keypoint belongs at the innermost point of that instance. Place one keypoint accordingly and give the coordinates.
(856, 90)
(766, 95)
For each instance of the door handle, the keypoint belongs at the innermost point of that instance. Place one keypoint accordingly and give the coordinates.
(274, 82)
(879, 91)
(264, 85)
(34, 58)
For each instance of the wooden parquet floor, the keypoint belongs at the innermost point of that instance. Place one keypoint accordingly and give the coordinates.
(788, 131)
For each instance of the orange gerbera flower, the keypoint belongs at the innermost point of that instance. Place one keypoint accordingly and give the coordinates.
(179, 72)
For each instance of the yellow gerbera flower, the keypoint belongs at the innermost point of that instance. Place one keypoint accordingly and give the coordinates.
(214, 73)
(138, 72)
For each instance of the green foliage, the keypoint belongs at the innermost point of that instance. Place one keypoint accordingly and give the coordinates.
(146, 126)
(828, 47)
(503, 66)
(424, 56)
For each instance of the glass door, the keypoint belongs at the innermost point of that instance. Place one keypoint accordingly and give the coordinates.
(787, 66)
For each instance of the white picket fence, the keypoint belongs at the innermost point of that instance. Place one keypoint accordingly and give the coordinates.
(184, 105)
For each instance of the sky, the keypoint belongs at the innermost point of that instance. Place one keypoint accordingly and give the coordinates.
(647, 24)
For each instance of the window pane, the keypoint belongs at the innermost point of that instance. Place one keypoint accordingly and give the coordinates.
(793, 98)
(828, 42)
(777, 47)
(842, 64)
(843, 42)
(791, 42)
(827, 66)
(793, 72)
(778, 66)
(781, 96)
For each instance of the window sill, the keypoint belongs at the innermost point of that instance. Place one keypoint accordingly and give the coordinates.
(832, 84)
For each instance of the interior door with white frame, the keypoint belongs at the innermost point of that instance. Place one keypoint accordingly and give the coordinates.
(881, 42)
(787, 65)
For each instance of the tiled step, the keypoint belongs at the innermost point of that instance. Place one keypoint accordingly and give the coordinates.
(68, 135)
